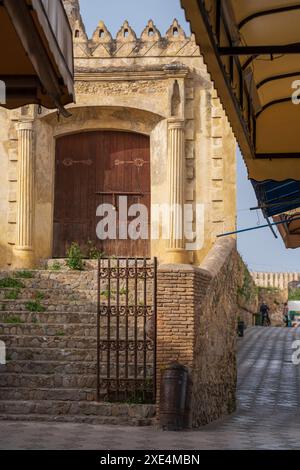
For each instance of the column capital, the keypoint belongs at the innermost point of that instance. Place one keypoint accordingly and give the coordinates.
(25, 125)
(176, 123)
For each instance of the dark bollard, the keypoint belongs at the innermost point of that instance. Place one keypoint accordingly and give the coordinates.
(173, 397)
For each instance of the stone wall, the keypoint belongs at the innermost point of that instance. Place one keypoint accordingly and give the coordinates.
(247, 296)
(214, 374)
(273, 288)
(275, 280)
(197, 322)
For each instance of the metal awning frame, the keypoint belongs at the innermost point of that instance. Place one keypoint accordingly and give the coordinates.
(53, 84)
(240, 102)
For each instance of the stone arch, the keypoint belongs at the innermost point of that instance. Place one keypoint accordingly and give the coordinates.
(88, 118)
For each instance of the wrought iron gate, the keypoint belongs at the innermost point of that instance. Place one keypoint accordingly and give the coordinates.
(126, 330)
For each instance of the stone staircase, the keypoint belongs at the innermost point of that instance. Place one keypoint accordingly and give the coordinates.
(48, 324)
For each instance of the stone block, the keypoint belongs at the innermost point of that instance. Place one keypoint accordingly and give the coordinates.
(189, 109)
(190, 150)
(13, 154)
(12, 217)
(190, 130)
(13, 174)
(190, 172)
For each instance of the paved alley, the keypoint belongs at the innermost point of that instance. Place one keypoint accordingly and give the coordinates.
(268, 415)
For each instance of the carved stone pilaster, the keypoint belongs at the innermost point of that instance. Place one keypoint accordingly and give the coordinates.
(176, 185)
(24, 249)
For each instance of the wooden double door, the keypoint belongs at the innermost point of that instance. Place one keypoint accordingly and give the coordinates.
(95, 168)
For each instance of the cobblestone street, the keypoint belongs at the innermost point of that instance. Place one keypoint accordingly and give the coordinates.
(268, 415)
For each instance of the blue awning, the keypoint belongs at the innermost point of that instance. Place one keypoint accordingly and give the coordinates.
(277, 197)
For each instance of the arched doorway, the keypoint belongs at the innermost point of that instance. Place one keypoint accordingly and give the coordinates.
(95, 168)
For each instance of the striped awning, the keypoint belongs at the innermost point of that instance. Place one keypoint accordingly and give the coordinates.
(277, 197)
(252, 51)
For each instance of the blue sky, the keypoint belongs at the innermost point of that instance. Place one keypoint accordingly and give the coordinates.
(260, 250)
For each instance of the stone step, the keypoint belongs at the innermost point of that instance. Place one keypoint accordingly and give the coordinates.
(44, 330)
(53, 354)
(42, 279)
(70, 409)
(50, 373)
(49, 367)
(49, 306)
(93, 420)
(78, 381)
(49, 342)
(89, 264)
(59, 330)
(58, 394)
(57, 318)
(55, 294)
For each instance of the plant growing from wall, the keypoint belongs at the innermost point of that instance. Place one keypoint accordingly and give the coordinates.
(10, 283)
(93, 252)
(13, 321)
(34, 306)
(294, 294)
(75, 257)
(247, 291)
(39, 296)
(12, 294)
(106, 293)
(56, 266)
(24, 274)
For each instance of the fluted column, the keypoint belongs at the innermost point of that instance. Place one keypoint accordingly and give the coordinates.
(24, 250)
(176, 253)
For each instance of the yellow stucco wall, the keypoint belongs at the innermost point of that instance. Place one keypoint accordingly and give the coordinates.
(128, 84)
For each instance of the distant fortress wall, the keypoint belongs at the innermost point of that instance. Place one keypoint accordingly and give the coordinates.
(276, 280)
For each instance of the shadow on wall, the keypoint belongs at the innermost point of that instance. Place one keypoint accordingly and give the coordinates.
(247, 298)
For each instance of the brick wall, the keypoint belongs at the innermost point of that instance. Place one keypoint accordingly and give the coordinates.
(197, 320)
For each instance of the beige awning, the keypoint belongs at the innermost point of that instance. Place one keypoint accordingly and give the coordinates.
(252, 51)
(36, 47)
(289, 229)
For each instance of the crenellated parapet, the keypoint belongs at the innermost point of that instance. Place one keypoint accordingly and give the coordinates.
(275, 280)
(151, 42)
